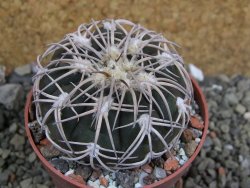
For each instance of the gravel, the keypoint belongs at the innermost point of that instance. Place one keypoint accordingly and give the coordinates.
(224, 161)
(10, 94)
(26, 183)
(159, 173)
(225, 157)
(60, 164)
(17, 141)
(19, 166)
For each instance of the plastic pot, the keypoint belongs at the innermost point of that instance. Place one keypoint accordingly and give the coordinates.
(62, 181)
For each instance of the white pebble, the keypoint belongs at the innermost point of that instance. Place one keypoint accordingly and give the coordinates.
(245, 164)
(217, 87)
(97, 182)
(93, 184)
(90, 182)
(229, 147)
(182, 152)
(110, 181)
(113, 176)
(197, 140)
(141, 176)
(112, 186)
(247, 115)
(197, 133)
(184, 157)
(138, 185)
(182, 162)
(240, 158)
(71, 171)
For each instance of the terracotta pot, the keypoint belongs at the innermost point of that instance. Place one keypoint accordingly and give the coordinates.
(62, 181)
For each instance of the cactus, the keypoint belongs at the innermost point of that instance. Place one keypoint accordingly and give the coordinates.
(113, 94)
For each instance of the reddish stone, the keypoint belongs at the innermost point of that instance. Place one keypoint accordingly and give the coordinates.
(147, 168)
(171, 164)
(196, 123)
(221, 171)
(77, 178)
(103, 181)
(45, 142)
(187, 135)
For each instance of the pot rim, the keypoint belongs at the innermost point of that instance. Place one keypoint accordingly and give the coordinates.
(200, 99)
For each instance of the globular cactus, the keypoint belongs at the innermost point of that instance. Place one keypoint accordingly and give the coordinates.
(113, 94)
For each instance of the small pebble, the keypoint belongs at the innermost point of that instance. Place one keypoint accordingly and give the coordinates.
(181, 152)
(187, 135)
(247, 115)
(195, 123)
(159, 173)
(150, 179)
(190, 148)
(103, 181)
(60, 164)
(147, 168)
(240, 109)
(13, 128)
(184, 157)
(142, 175)
(95, 174)
(94, 184)
(171, 164)
(49, 151)
(197, 140)
(137, 185)
(182, 162)
(84, 171)
(70, 171)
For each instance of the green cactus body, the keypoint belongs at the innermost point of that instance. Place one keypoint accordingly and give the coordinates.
(112, 94)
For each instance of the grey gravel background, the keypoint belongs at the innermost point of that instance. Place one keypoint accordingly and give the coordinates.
(224, 161)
